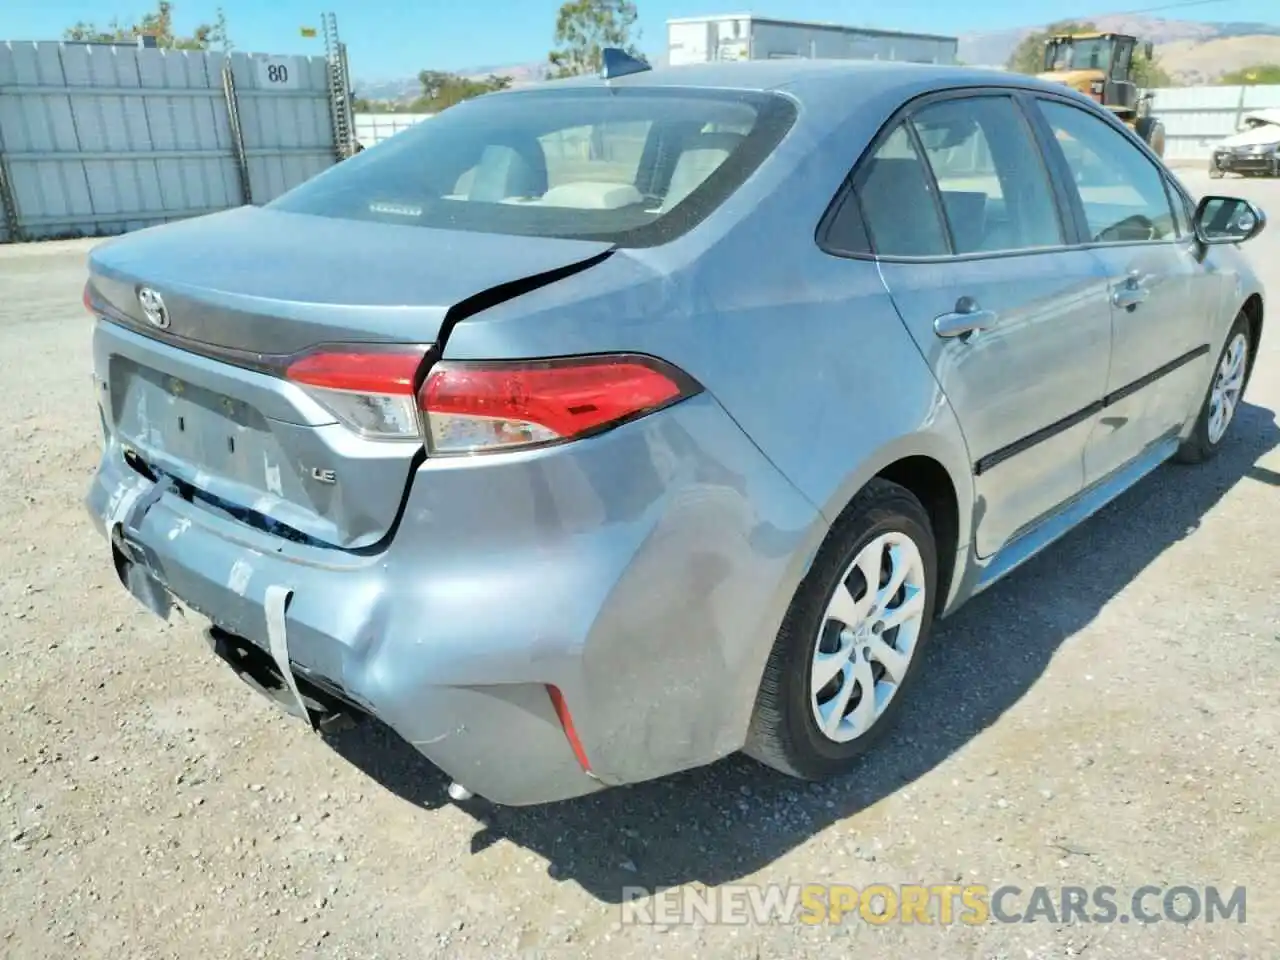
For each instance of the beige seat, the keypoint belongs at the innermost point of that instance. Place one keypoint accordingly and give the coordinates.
(504, 173)
(698, 160)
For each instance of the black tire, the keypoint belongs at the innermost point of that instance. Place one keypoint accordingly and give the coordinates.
(1198, 447)
(1214, 172)
(784, 733)
(1151, 132)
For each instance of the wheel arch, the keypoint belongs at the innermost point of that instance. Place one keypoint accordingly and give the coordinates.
(931, 484)
(1252, 309)
(935, 467)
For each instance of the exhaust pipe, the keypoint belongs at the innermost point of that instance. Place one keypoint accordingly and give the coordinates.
(458, 793)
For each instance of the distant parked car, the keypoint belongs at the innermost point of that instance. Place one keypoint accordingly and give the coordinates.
(580, 457)
(1254, 151)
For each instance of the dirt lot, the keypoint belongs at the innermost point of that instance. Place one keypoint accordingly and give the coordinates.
(1106, 716)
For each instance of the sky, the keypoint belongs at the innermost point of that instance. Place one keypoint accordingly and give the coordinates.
(397, 38)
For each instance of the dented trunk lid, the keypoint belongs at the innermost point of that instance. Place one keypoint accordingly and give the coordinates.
(201, 399)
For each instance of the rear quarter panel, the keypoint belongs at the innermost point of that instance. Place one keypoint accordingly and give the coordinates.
(804, 350)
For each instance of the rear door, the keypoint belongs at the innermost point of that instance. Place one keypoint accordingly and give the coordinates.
(968, 227)
(1161, 295)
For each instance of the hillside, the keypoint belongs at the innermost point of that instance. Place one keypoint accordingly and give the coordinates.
(1192, 51)
(1192, 62)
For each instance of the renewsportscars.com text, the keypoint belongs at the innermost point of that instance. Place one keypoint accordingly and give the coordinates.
(930, 905)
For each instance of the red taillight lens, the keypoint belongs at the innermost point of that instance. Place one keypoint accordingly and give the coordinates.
(483, 407)
(369, 389)
(363, 371)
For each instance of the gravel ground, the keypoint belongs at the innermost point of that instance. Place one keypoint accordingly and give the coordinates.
(1106, 716)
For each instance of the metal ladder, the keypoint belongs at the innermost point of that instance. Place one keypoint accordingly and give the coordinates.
(339, 89)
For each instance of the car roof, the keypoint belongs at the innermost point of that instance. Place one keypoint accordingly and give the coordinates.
(813, 78)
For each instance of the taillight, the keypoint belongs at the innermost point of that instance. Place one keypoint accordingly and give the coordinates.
(87, 300)
(369, 389)
(491, 406)
(469, 407)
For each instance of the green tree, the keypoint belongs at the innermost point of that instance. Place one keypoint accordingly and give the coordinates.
(1028, 56)
(159, 24)
(1261, 73)
(1150, 73)
(441, 90)
(584, 28)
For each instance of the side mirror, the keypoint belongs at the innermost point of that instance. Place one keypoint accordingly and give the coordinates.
(1228, 220)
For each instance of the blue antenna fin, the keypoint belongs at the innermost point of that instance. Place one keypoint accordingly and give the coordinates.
(618, 63)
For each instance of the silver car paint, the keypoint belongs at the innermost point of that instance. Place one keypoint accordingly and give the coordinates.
(1183, 313)
(1045, 358)
(645, 571)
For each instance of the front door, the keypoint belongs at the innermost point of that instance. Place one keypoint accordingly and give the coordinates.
(1160, 292)
(1015, 325)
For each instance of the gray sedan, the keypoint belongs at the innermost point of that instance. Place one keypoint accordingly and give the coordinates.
(595, 431)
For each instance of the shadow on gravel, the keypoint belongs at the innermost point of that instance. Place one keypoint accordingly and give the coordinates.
(722, 822)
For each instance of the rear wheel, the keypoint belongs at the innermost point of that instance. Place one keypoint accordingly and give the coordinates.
(851, 641)
(1226, 389)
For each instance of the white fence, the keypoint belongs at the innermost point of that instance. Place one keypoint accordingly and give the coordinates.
(373, 128)
(102, 138)
(1195, 118)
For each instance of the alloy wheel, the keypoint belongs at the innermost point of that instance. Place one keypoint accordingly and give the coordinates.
(868, 637)
(1228, 383)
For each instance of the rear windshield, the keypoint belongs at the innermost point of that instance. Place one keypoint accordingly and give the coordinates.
(632, 167)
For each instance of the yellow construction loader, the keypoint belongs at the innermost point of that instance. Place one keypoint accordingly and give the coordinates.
(1100, 65)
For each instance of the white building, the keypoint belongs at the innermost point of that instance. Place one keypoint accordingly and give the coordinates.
(746, 37)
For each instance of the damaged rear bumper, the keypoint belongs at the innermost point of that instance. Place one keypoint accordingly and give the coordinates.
(339, 619)
(641, 573)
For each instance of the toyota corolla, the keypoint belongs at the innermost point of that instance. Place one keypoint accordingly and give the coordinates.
(595, 431)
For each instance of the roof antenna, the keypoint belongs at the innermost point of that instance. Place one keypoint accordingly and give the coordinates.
(616, 62)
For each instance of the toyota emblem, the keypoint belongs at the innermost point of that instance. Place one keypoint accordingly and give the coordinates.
(153, 308)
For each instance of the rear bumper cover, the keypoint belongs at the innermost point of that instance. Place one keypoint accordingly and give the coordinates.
(643, 573)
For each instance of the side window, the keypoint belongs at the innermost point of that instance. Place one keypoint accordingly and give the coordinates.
(1123, 193)
(992, 182)
(898, 203)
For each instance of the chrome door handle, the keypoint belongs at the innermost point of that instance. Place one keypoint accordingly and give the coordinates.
(1132, 292)
(967, 319)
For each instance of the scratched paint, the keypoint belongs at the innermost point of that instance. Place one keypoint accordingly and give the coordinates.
(238, 581)
(179, 528)
(121, 502)
(272, 472)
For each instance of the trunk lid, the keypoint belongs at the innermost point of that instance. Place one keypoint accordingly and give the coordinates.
(201, 399)
(267, 282)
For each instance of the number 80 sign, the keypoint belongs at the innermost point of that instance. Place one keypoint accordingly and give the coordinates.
(277, 74)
